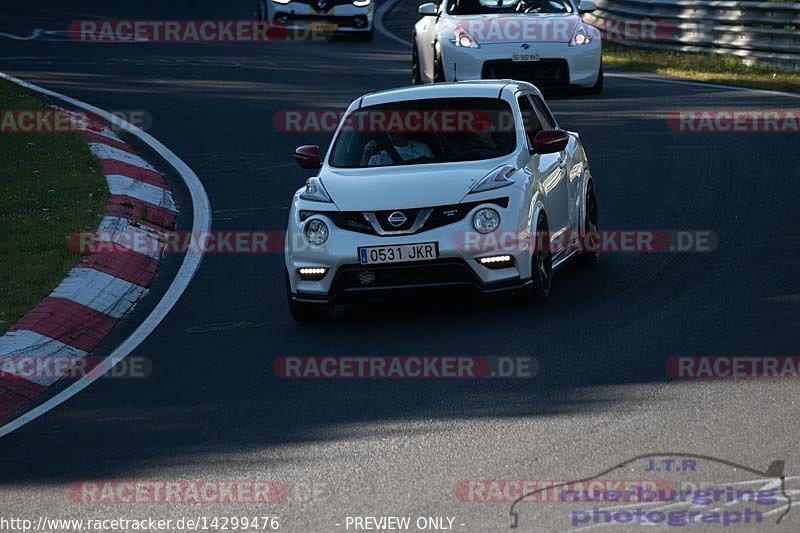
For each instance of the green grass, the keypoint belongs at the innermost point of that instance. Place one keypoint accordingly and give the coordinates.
(50, 186)
(713, 68)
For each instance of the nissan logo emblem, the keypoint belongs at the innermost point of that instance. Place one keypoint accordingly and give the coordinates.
(322, 4)
(397, 219)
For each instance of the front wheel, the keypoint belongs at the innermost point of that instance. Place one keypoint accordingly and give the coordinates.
(307, 313)
(541, 261)
(591, 229)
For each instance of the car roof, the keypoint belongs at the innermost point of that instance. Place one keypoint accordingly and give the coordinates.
(461, 89)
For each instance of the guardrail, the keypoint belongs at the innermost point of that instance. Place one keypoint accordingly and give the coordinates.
(762, 33)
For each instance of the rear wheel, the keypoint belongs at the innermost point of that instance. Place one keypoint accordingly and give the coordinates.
(438, 69)
(307, 313)
(590, 240)
(541, 261)
(597, 88)
(416, 78)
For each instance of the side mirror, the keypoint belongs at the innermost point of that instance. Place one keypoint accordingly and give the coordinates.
(427, 10)
(550, 141)
(308, 157)
(586, 6)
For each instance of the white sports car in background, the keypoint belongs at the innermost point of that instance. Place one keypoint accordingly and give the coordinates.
(352, 17)
(456, 184)
(544, 42)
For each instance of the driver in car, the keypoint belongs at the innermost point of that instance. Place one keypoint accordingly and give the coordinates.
(407, 150)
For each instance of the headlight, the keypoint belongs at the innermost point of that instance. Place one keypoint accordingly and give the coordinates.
(486, 220)
(362, 3)
(581, 36)
(315, 191)
(284, 2)
(464, 39)
(316, 232)
(495, 179)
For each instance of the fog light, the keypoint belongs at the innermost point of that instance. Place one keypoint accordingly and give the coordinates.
(497, 261)
(316, 232)
(312, 273)
(360, 21)
(486, 220)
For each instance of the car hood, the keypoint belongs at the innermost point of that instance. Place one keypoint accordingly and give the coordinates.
(404, 187)
(503, 28)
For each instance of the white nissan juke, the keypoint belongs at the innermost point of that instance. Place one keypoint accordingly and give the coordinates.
(468, 184)
(544, 42)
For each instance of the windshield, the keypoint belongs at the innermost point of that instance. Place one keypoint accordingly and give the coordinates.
(425, 131)
(488, 7)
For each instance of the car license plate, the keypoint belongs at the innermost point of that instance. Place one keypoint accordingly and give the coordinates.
(525, 57)
(404, 253)
(323, 27)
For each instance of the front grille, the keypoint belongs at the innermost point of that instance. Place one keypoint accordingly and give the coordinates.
(326, 4)
(351, 221)
(441, 216)
(409, 274)
(383, 219)
(287, 19)
(544, 72)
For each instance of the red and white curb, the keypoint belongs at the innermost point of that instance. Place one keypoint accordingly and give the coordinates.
(103, 287)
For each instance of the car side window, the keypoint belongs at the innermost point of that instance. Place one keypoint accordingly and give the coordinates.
(530, 119)
(548, 120)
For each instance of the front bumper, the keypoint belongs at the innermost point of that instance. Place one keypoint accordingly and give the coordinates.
(456, 266)
(346, 18)
(559, 64)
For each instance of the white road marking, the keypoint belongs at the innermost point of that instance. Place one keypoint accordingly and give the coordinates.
(105, 151)
(28, 343)
(99, 291)
(123, 185)
(201, 216)
(137, 238)
(23, 346)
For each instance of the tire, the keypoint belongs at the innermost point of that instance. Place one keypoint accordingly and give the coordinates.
(438, 70)
(597, 88)
(307, 313)
(541, 262)
(416, 76)
(590, 253)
